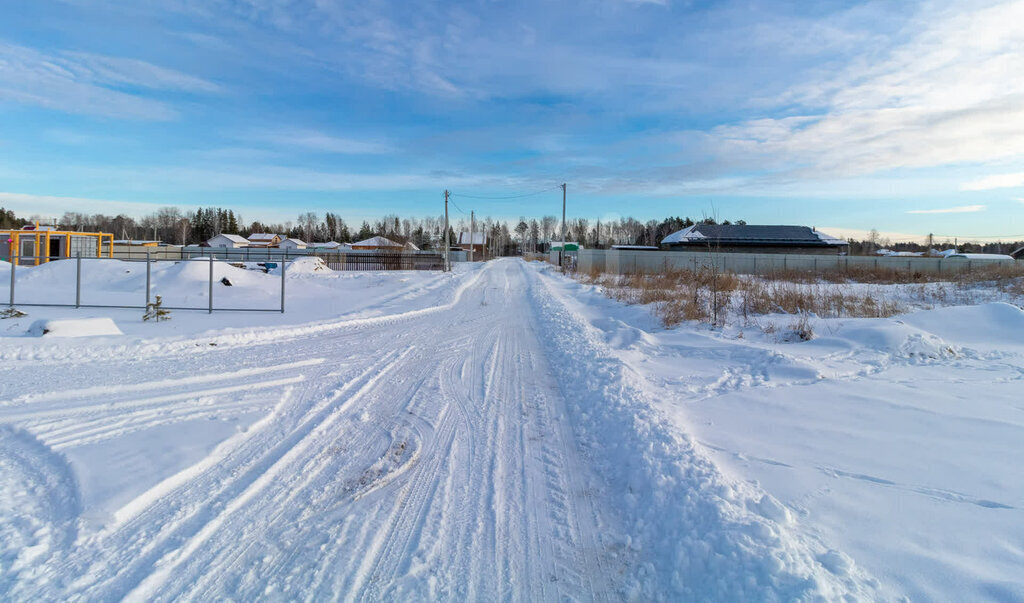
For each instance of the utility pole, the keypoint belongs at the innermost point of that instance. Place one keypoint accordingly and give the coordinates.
(472, 233)
(444, 239)
(561, 252)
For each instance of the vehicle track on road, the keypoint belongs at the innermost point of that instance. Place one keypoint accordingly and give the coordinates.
(422, 456)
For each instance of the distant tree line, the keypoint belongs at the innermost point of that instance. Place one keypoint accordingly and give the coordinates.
(171, 225)
(876, 241)
(9, 221)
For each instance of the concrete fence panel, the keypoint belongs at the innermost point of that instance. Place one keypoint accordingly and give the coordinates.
(623, 261)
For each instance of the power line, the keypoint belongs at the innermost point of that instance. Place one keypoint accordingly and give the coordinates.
(520, 196)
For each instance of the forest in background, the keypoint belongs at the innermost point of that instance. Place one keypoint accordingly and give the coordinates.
(171, 225)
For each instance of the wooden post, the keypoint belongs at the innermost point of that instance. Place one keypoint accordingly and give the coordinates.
(444, 237)
(561, 252)
(211, 283)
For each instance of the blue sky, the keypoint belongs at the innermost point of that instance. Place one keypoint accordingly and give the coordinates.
(906, 117)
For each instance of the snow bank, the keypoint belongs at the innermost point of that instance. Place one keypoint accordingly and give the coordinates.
(308, 265)
(701, 537)
(74, 327)
(892, 441)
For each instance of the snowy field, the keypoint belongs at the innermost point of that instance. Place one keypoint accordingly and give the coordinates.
(498, 432)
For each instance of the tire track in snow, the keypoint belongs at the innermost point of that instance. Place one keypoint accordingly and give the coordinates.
(114, 562)
(272, 468)
(431, 459)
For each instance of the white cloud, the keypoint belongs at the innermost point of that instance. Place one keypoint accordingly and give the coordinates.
(963, 209)
(994, 181)
(133, 72)
(89, 83)
(49, 206)
(318, 141)
(949, 94)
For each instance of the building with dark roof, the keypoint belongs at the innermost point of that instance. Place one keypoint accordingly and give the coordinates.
(754, 239)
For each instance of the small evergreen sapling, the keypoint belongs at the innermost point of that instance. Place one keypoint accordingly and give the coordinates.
(155, 310)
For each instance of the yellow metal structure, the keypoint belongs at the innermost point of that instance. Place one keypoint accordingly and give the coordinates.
(41, 239)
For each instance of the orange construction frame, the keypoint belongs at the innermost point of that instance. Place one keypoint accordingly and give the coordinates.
(43, 236)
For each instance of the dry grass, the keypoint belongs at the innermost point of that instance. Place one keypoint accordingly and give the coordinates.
(715, 298)
(893, 276)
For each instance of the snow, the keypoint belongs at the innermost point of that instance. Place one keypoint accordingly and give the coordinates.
(500, 432)
(477, 238)
(313, 295)
(74, 327)
(980, 256)
(227, 240)
(689, 233)
(827, 238)
(894, 442)
(377, 241)
(307, 265)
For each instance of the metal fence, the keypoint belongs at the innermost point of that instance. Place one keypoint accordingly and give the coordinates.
(149, 262)
(336, 259)
(619, 261)
(383, 261)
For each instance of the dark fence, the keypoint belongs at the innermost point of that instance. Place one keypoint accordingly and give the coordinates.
(382, 260)
(336, 260)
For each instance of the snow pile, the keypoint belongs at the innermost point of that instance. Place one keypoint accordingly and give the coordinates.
(74, 327)
(308, 265)
(702, 536)
(894, 442)
(188, 275)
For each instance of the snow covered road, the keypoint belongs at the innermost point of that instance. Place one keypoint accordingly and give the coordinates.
(452, 452)
(426, 456)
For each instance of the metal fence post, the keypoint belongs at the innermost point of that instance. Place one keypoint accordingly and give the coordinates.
(147, 279)
(14, 262)
(211, 284)
(283, 264)
(78, 281)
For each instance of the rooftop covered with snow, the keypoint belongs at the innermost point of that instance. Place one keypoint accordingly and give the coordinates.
(747, 235)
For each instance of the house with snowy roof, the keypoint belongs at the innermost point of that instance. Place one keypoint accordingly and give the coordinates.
(229, 241)
(377, 243)
(475, 241)
(291, 243)
(754, 239)
(330, 246)
(264, 239)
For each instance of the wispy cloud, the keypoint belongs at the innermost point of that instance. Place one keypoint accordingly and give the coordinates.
(50, 206)
(317, 141)
(963, 209)
(133, 72)
(78, 82)
(994, 181)
(941, 97)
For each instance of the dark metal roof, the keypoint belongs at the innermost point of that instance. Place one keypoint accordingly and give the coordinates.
(753, 235)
